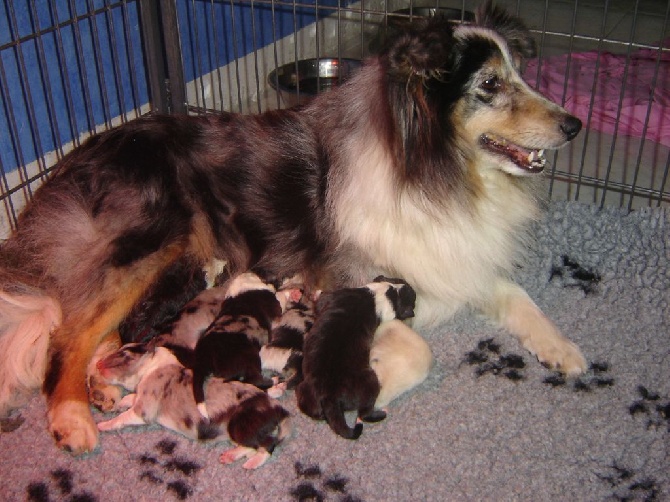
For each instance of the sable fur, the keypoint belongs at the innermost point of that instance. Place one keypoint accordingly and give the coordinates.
(336, 357)
(400, 358)
(397, 171)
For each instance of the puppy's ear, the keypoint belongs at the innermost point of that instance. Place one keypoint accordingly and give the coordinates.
(419, 49)
(512, 29)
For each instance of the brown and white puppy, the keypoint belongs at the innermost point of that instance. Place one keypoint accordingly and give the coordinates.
(230, 347)
(423, 165)
(162, 393)
(336, 356)
(400, 358)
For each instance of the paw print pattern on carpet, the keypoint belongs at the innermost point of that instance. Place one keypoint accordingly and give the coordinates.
(628, 485)
(595, 378)
(309, 477)
(652, 407)
(159, 471)
(573, 275)
(61, 486)
(488, 360)
(12, 422)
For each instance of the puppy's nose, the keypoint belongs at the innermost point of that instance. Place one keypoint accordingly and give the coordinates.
(571, 126)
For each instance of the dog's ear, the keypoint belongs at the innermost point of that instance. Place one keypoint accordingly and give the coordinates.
(418, 50)
(512, 29)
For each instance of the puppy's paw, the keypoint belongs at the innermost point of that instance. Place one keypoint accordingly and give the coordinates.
(558, 353)
(103, 396)
(257, 459)
(73, 428)
(277, 390)
(234, 454)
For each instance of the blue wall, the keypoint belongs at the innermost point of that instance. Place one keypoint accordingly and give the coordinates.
(70, 66)
(65, 68)
(240, 28)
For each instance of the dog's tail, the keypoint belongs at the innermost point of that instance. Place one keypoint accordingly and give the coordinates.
(334, 413)
(26, 321)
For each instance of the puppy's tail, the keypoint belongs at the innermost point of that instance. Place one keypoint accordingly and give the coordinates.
(26, 322)
(334, 413)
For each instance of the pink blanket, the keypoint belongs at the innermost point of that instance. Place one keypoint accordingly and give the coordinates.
(609, 88)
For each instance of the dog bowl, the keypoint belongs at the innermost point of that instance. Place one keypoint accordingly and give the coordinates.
(297, 83)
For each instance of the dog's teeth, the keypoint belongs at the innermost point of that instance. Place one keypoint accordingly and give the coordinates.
(540, 153)
(531, 156)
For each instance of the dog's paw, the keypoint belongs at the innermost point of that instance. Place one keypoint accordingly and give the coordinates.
(103, 396)
(558, 353)
(73, 428)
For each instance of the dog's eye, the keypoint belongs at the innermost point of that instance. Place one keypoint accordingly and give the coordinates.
(491, 84)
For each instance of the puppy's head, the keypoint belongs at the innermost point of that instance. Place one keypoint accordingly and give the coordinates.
(124, 366)
(259, 422)
(394, 298)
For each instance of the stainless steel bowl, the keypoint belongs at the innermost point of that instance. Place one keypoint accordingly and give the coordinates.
(297, 83)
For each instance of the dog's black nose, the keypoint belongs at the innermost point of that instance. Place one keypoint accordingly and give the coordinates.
(571, 126)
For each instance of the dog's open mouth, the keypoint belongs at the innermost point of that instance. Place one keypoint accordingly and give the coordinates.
(529, 160)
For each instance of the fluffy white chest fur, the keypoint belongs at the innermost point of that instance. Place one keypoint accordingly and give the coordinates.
(451, 256)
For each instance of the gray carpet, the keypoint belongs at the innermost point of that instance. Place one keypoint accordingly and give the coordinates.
(490, 423)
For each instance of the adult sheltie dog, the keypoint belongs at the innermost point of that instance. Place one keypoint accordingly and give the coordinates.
(421, 167)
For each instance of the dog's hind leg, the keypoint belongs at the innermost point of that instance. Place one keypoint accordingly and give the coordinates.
(74, 343)
(515, 311)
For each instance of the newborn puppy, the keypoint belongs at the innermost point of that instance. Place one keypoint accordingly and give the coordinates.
(230, 347)
(400, 358)
(163, 394)
(283, 353)
(162, 314)
(336, 355)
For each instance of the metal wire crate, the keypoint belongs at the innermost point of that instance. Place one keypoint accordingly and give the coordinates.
(70, 68)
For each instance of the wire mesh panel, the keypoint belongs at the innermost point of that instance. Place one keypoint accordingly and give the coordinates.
(607, 62)
(69, 68)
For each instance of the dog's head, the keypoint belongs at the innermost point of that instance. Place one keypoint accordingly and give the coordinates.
(458, 94)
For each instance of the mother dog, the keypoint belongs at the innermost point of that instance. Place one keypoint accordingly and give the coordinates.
(420, 167)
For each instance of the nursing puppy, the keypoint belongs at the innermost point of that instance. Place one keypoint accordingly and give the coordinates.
(400, 358)
(423, 165)
(336, 357)
(162, 393)
(283, 353)
(230, 348)
(162, 313)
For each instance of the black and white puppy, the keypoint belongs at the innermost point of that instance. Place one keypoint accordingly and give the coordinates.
(336, 356)
(230, 347)
(283, 353)
(162, 393)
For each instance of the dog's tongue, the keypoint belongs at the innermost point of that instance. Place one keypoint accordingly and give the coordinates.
(530, 160)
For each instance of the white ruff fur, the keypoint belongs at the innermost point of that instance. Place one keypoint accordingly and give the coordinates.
(25, 324)
(451, 256)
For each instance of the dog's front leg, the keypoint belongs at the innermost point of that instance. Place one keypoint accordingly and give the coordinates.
(514, 310)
